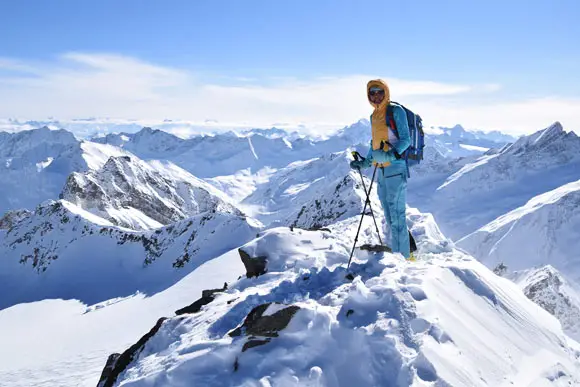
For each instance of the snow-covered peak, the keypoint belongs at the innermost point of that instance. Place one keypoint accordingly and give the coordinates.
(357, 133)
(135, 194)
(553, 138)
(545, 229)
(45, 140)
(146, 143)
(272, 133)
(96, 155)
(458, 132)
(548, 288)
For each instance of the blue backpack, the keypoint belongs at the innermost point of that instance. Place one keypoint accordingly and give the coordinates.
(414, 153)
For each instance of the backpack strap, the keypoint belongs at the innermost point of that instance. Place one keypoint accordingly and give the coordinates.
(393, 126)
(391, 119)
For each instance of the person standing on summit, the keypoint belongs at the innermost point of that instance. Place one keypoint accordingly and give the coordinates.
(385, 153)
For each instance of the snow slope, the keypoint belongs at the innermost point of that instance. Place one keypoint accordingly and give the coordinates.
(548, 288)
(544, 230)
(65, 342)
(63, 251)
(138, 195)
(443, 321)
(500, 181)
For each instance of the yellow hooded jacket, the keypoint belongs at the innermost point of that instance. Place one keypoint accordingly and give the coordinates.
(380, 130)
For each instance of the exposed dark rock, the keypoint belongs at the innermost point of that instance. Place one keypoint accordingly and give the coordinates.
(314, 228)
(207, 296)
(255, 266)
(376, 248)
(500, 269)
(11, 218)
(256, 324)
(254, 343)
(109, 367)
(118, 363)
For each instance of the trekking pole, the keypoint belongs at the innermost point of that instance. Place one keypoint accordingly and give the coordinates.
(358, 156)
(361, 218)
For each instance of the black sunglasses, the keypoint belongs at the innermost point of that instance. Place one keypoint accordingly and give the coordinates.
(376, 92)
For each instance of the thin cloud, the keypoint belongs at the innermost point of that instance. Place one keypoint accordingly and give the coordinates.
(106, 85)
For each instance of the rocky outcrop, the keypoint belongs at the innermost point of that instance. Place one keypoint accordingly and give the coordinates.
(207, 296)
(117, 363)
(12, 217)
(549, 289)
(260, 326)
(255, 266)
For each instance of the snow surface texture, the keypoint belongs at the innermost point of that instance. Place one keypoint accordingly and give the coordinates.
(548, 288)
(445, 320)
(138, 195)
(62, 251)
(544, 230)
(65, 343)
(500, 181)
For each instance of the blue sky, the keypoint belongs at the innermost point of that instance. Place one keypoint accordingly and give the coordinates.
(453, 60)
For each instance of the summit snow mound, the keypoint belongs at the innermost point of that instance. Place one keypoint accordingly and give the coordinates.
(445, 320)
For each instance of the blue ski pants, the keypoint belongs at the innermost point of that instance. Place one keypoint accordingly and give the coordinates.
(392, 183)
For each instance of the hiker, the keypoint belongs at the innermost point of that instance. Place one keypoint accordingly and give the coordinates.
(385, 153)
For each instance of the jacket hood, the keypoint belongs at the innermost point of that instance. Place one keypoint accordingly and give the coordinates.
(382, 84)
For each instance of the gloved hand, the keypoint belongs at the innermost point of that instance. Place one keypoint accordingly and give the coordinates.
(380, 156)
(360, 163)
(356, 164)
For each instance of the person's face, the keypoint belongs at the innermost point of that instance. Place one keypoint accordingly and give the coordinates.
(376, 95)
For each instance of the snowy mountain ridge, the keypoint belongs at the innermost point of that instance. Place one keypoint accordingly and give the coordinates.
(138, 195)
(495, 183)
(63, 251)
(545, 229)
(35, 164)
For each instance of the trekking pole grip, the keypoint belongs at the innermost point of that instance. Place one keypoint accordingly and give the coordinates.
(357, 156)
